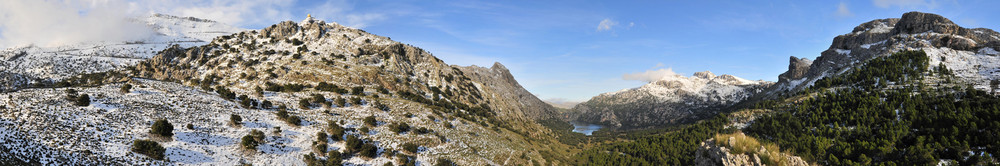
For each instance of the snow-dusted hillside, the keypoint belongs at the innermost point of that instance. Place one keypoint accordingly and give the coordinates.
(671, 100)
(40, 125)
(26, 64)
(970, 53)
(473, 115)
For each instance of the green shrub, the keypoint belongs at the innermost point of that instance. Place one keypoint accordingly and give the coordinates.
(357, 90)
(363, 130)
(444, 162)
(257, 135)
(399, 127)
(126, 88)
(149, 148)
(410, 147)
(370, 121)
(341, 102)
(83, 100)
(352, 144)
(355, 101)
(335, 130)
(368, 150)
(294, 120)
(162, 128)
(423, 130)
(333, 157)
(304, 104)
(282, 114)
(235, 119)
(321, 137)
(249, 143)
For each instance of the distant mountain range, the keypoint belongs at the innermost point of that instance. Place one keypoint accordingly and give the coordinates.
(971, 53)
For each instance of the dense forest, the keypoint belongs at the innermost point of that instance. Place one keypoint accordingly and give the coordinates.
(907, 124)
(673, 148)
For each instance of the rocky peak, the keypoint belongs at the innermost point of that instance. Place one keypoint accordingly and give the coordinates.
(881, 37)
(704, 75)
(917, 22)
(797, 67)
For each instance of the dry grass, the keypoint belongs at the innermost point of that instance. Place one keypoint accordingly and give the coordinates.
(738, 143)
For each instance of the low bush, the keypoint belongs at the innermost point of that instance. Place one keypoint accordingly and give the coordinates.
(149, 148)
(370, 121)
(410, 147)
(162, 128)
(235, 120)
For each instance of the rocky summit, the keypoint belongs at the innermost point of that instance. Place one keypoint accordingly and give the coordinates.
(970, 52)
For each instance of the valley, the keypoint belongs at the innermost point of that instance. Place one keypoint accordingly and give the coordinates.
(913, 90)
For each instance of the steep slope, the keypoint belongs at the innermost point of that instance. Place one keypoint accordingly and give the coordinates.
(970, 53)
(30, 64)
(672, 100)
(311, 52)
(322, 74)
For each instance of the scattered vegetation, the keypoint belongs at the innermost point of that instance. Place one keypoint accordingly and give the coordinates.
(399, 127)
(151, 149)
(335, 130)
(290, 119)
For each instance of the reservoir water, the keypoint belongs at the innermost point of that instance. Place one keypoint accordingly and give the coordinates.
(585, 128)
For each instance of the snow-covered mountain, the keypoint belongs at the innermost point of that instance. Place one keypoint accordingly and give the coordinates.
(970, 53)
(31, 64)
(671, 100)
(469, 115)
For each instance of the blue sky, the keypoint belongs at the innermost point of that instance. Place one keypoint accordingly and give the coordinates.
(573, 50)
(561, 49)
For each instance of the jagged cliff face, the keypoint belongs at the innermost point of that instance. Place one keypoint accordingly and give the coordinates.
(312, 51)
(672, 100)
(24, 65)
(504, 90)
(970, 53)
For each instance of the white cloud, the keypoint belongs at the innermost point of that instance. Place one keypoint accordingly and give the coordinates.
(652, 75)
(843, 11)
(562, 102)
(606, 25)
(234, 12)
(50, 23)
(904, 3)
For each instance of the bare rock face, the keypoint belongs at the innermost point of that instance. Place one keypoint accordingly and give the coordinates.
(796, 69)
(510, 95)
(281, 30)
(710, 154)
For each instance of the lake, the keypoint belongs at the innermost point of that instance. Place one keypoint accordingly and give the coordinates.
(585, 128)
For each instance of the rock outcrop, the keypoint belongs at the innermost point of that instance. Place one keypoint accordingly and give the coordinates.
(497, 80)
(712, 154)
(796, 69)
